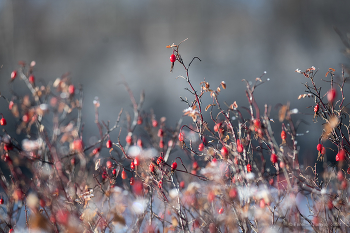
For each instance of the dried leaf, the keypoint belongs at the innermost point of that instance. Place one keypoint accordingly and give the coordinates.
(329, 126)
(98, 164)
(226, 138)
(118, 219)
(38, 221)
(174, 221)
(206, 108)
(234, 105)
(15, 111)
(282, 113)
(223, 84)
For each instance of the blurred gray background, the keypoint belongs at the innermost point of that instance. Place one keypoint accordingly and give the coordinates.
(101, 42)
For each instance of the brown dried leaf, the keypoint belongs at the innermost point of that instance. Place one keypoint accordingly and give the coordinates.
(223, 84)
(329, 126)
(15, 111)
(118, 219)
(174, 221)
(206, 108)
(234, 105)
(282, 113)
(226, 138)
(38, 221)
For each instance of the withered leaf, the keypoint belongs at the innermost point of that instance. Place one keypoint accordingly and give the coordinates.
(329, 126)
(208, 106)
(282, 112)
(118, 219)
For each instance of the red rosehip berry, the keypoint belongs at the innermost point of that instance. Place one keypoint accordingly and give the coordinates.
(315, 220)
(11, 105)
(340, 176)
(128, 139)
(182, 184)
(233, 180)
(239, 146)
(224, 151)
(235, 161)
(31, 79)
(319, 147)
(160, 184)
(139, 143)
(114, 172)
(283, 135)
(273, 158)
(330, 204)
(62, 217)
(160, 160)
(257, 123)
(72, 161)
(249, 168)
(139, 120)
(173, 166)
(136, 161)
(340, 156)
(161, 143)
(211, 196)
(181, 137)
(1, 201)
(42, 203)
(196, 224)
(109, 164)
(271, 181)
(172, 58)
(104, 175)
(201, 147)
(344, 184)
(154, 123)
(233, 193)
(316, 108)
(132, 165)
(8, 147)
(132, 181)
(160, 133)
(195, 165)
(109, 144)
(221, 210)
(13, 74)
(78, 145)
(282, 164)
(124, 175)
(323, 151)
(95, 151)
(71, 89)
(3, 121)
(348, 171)
(11, 231)
(217, 127)
(151, 167)
(25, 118)
(332, 93)
(262, 203)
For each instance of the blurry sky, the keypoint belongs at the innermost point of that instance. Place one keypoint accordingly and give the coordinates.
(101, 42)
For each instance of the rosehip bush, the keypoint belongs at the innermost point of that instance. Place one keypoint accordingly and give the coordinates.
(225, 171)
